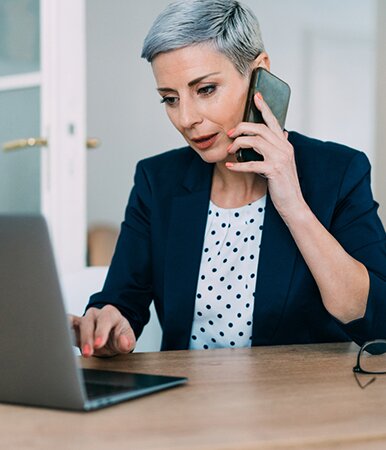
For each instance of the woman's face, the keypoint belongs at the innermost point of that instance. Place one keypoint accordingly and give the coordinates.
(204, 96)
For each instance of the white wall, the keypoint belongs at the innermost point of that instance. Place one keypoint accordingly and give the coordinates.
(123, 106)
(324, 50)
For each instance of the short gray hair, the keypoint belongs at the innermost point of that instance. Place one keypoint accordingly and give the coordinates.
(228, 25)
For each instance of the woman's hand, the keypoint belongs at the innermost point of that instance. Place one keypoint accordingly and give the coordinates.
(343, 282)
(279, 162)
(103, 332)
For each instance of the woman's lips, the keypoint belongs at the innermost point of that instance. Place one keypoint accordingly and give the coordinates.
(204, 142)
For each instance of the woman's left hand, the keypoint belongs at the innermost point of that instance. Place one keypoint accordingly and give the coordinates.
(343, 282)
(279, 161)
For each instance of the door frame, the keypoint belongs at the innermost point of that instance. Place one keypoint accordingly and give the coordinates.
(63, 123)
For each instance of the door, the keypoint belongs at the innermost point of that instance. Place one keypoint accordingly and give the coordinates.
(42, 117)
(20, 111)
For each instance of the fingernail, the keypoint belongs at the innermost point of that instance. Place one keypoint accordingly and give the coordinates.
(230, 132)
(86, 350)
(98, 341)
(259, 95)
(229, 164)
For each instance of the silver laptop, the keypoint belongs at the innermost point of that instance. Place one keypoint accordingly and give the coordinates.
(38, 363)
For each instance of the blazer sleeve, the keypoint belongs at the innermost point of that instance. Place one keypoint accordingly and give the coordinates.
(128, 285)
(356, 225)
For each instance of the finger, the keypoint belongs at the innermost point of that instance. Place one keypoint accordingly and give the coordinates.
(86, 328)
(268, 115)
(254, 129)
(73, 320)
(113, 333)
(74, 325)
(124, 337)
(125, 344)
(258, 167)
(256, 142)
(106, 321)
(117, 343)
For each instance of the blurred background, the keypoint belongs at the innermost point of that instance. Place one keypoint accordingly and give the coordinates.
(79, 108)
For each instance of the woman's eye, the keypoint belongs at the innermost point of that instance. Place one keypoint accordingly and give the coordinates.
(169, 100)
(207, 90)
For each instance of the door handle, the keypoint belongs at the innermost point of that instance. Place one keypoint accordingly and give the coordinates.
(18, 144)
(93, 142)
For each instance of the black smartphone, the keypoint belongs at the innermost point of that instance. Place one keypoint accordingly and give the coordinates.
(276, 94)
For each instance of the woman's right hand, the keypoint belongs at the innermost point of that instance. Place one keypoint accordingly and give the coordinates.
(103, 332)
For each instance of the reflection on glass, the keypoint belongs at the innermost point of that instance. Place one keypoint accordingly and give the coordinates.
(19, 170)
(19, 36)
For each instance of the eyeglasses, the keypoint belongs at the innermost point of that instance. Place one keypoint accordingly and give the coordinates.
(371, 360)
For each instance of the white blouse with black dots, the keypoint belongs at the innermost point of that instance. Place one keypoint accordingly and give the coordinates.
(227, 278)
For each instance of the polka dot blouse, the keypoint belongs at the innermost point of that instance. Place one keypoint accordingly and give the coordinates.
(227, 278)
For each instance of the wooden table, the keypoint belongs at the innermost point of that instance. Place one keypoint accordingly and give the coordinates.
(264, 397)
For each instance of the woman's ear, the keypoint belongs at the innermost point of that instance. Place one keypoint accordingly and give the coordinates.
(262, 61)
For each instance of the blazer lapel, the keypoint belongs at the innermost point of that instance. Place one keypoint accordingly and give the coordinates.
(183, 256)
(276, 262)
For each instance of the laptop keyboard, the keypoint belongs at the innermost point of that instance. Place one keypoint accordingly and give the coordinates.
(102, 383)
(96, 390)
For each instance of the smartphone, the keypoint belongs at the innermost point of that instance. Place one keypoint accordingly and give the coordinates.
(276, 94)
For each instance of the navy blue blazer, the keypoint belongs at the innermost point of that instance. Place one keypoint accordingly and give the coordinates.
(159, 249)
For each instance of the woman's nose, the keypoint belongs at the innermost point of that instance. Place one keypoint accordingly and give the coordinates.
(189, 115)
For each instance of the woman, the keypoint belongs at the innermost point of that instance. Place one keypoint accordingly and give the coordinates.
(285, 250)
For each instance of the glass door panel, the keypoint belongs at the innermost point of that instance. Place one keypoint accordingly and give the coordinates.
(39, 41)
(19, 37)
(19, 169)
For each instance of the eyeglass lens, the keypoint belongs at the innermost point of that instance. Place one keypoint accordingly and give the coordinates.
(373, 357)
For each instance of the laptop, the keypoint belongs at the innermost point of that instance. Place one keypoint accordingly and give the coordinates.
(38, 363)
